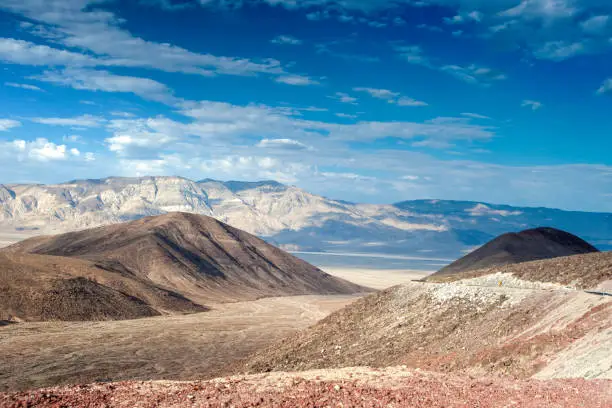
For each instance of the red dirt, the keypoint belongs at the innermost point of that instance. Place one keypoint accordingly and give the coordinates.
(378, 388)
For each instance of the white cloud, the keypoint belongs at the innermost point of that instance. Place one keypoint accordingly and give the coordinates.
(73, 24)
(473, 16)
(95, 80)
(391, 97)
(405, 101)
(595, 24)
(86, 121)
(344, 98)
(605, 87)
(379, 93)
(286, 39)
(475, 116)
(41, 150)
(298, 80)
(412, 54)
(474, 74)
(254, 168)
(27, 53)
(560, 50)
(346, 115)
(6, 124)
(533, 105)
(72, 138)
(122, 114)
(24, 86)
(289, 144)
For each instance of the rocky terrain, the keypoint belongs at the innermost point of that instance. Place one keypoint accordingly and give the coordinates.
(351, 387)
(515, 328)
(165, 264)
(589, 271)
(284, 215)
(524, 246)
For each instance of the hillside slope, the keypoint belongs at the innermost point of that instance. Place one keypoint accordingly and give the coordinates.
(587, 271)
(524, 246)
(458, 328)
(40, 288)
(199, 257)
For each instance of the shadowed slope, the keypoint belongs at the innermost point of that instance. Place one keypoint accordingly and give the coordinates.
(525, 246)
(39, 287)
(197, 256)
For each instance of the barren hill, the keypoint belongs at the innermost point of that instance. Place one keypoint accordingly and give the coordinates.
(587, 271)
(512, 248)
(458, 327)
(40, 287)
(199, 257)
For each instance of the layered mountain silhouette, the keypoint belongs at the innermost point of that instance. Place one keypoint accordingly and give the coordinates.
(512, 248)
(284, 215)
(171, 263)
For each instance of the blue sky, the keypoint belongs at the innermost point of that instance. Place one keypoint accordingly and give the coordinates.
(503, 101)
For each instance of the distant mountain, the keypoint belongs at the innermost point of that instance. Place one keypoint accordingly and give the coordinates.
(198, 257)
(512, 248)
(287, 216)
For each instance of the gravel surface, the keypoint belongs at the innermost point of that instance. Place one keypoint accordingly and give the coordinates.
(360, 387)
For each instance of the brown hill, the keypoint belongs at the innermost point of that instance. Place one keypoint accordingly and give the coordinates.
(39, 287)
(588, 271)
(458, 327)
(199, 257)
(525, 246)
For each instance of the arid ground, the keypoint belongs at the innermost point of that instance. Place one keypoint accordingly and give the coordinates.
(348, 387)
(195, 346)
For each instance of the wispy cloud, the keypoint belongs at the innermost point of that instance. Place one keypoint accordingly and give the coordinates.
(605, 87)
(282, 144)
(533, 105)
(344, 98)
(24, 86)
(96, 80)
(100, 34)
(475, 116)
(81, 121)
(286, 39)
(391, 97)
(297, 80)
(7, 124)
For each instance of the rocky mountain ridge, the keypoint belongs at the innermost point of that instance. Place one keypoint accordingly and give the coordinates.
(286, 215)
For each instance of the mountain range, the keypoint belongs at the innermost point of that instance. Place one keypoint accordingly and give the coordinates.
(287, 216)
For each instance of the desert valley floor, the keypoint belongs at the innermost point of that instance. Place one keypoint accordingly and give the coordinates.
(182, 347)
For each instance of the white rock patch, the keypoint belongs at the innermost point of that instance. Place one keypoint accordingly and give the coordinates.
(507, 280)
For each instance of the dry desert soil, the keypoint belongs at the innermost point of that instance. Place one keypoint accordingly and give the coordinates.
(350, 387)
(185, 347)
